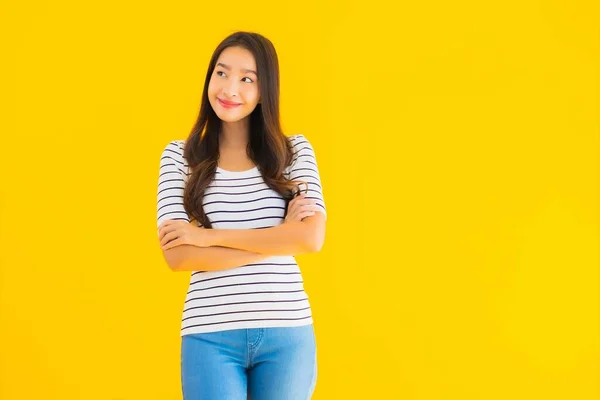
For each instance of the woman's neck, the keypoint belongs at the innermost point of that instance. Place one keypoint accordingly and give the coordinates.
(235, 135)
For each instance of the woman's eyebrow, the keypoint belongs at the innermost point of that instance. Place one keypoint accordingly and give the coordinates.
(228, 68)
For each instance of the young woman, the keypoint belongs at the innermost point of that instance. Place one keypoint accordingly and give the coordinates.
(231, 209)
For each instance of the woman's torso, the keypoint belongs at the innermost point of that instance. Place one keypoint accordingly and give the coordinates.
(269, 293)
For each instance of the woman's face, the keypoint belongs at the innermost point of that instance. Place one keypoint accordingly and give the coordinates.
(233, 88)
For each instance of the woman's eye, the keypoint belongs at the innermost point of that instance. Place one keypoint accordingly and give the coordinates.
(222, 72)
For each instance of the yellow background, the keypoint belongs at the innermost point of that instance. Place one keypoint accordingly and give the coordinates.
(458, 144)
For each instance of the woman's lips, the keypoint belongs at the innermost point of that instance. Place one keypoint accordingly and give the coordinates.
(227, 104)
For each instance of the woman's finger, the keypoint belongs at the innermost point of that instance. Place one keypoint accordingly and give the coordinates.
(306, 202)
(305, 214)
(167, 228)
(167, 222)
(310, 207)
(297, 205)
(303, 211)
(171, 244)
(300, 203)
(292, 214)
(168, 237)
(293, 202)
(307, 207)
(164, 239)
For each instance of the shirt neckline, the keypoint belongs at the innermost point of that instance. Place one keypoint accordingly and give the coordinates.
(238, 174)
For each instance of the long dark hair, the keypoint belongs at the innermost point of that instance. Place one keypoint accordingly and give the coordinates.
(268, 147)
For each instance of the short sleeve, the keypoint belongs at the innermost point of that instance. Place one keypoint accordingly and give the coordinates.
(171, 182)
(304, 168)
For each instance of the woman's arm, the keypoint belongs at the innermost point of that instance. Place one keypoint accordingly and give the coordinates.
(171, 182)
(192, 258)
(290, 238)
(295, 237)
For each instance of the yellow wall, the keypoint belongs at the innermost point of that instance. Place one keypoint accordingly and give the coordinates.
(458, 144)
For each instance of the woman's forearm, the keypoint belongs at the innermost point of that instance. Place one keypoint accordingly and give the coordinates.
(290, 238)
(193, 258)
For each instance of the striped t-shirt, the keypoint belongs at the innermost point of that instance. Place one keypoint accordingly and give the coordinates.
(269, 293)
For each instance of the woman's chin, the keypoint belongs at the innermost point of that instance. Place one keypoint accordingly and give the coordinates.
(230, 116)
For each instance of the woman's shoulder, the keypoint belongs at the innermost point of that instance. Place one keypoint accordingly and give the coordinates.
(174, 149)
(299, 142)
(297, 139)
(173, 153)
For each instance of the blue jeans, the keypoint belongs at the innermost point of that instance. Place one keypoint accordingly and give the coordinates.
(258, 364)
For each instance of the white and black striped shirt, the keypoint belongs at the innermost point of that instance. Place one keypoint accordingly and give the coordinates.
(269, 293)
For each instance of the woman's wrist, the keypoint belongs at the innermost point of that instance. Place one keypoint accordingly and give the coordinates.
(213, 236)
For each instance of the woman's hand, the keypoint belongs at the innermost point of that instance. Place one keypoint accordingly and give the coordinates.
(300, 208)
(172, 233)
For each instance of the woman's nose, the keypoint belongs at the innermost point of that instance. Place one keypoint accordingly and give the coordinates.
(231, 89)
